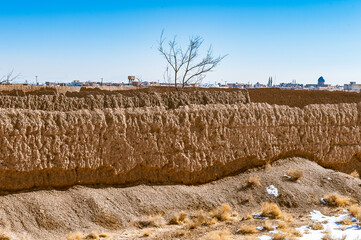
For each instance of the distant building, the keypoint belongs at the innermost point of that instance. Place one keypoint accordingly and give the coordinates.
(131, 79)
(352, 87)
(259, 85)
(270, 82)
(321, 81)
(75, 83)
(311, 86)
(292, 85)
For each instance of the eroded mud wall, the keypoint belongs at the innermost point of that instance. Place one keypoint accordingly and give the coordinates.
(49, 99)
(301, 98)
(190, 144)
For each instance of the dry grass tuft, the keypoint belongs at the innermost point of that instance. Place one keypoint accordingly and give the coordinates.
(180, 219)
(152, 221)
(218, 235)
(222, 213)
(285, 230)
(253, 181)
(355, 174)
(281, 236)
(268, 226)
(146, 233)
(346, 221)
(201, 219)
(268, 166)
(81, 236)
(270, 210)
(178, 234)
(295, 174)
(92, 235)
(295, 233)
(317, 226)
(75, 236)
(355, 211)
(282, 226)
(328, 236)
(3, 236)
(286, 217)
(249, 217)
(251, 238)
(336, 200)
(247, 229)
(105, 235)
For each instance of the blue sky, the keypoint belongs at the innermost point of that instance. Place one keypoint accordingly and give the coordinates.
(87, 40)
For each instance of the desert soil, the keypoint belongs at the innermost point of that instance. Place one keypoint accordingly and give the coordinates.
(133, 212)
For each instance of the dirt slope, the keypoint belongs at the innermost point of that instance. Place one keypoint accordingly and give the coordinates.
(51, 214)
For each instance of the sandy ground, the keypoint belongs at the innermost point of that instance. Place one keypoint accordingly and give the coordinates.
(134, 211)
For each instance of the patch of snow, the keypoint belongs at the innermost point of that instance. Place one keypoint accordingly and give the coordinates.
(259, 228)
(323, 201)
(287, 176)
(258, 216)
(328, 178)
(272, 190)
(265, 237)
(332, 225)
(319, 217)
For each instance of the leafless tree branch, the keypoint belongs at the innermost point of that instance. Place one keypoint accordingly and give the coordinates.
(8, 78)
(184, 64)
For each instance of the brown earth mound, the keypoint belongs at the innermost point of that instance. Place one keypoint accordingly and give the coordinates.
(52, 214)
(49, 99)
(301, 98)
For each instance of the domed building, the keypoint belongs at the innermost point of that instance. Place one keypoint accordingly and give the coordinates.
(321, 81)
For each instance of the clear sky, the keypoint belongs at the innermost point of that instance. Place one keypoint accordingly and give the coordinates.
(88, 39)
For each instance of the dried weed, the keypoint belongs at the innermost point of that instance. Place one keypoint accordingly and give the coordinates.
(4, 236)
(355, 211)
(282, 226)
(147, 233)
(346, 221)
(317, 226)
(336, 200)
(253, 181)
(247, 229)
(295, 174)
(201, 219)
(151, 221)
(268, 226)
(81, 236)
(222, 213)
(355, 174)
(270, 210)
(179, 219)
(75, 236)
(328, 236)
(281, 236)
(218, 235)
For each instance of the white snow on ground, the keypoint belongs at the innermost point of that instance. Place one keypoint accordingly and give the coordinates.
(286, 176)
(258, 216)
(330, 223)
(272, 190)
(264, 237)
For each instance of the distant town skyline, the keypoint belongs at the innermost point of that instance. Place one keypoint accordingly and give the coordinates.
(61, 41)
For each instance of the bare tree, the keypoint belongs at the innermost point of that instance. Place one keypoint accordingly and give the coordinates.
(8, 78)
(185, 65)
